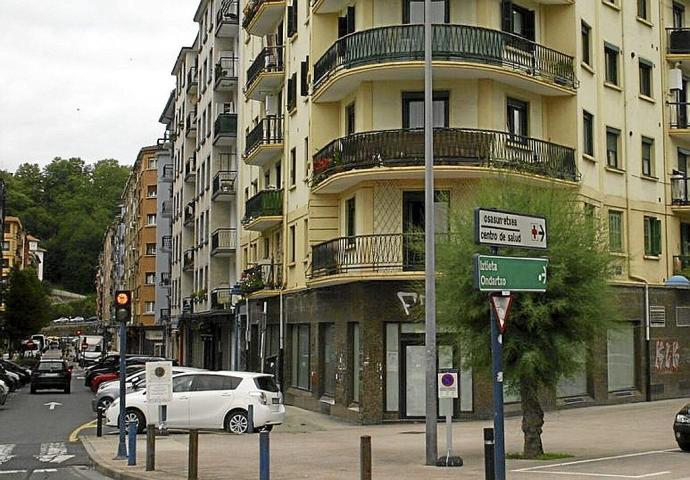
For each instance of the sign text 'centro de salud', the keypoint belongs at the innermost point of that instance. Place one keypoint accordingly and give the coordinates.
(505, 229)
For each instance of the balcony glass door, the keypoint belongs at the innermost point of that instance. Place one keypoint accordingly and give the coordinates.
(413, 223)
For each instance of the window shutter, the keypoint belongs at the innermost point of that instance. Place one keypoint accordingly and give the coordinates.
(656, 239)
(350, 19)
(304, 72)
(529, 25)
(507, 16)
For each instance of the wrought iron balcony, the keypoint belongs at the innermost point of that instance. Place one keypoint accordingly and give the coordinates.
(679, 188)
(223, 187)
(221, 298)
(165, 279)
(266, 203)
(269, 60)
(261, 276)
(187, 305)
(227, 18)
(680, 115)
(166, 244)
(168, 173)
(678, 41)
(223, 241)
(269, 131)
(225, 129)
(226, 73)
(167, 209)
(189, 214)
(461, 43)
(190, 169)
(452, 147)
(192, 80)
(261, 15)
(188, 259)
(385, 253)
(164, 315)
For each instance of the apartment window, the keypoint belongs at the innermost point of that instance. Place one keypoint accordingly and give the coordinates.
(279, 175)
(643, 9)
(150, 249)
(149, 307)
(413, 11)
(615, 231)
(151, 219)
(293, 167)
(291, 245)
(150, 278)
(151, 191)
(300, 354)
(292, 93)
(645, 78)
(304, 77)
(621, 357)
(292, 19)
(306, 239)
(647, 156)
(350, 119)
(652, 236)
(678, 15)
(588, 133)
(612, 140)
(346, 24)
(518, 119)
(152, 163)
(413, 109)
(586, 44)
(683, 156)
(350, 215)
(611, 60)
(329, 358)
(518, 20)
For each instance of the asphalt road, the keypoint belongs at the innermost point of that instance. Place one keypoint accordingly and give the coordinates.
(35, 438)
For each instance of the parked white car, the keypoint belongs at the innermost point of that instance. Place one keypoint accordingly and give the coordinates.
(210, 400)
(4, 391)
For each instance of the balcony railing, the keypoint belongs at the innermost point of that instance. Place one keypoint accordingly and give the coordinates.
(165, 315)
(187, 305)
(221, 298)
(192, 78)
(679, 188)
(464, 43)
(681, 265)
(269, 60)
(678, 40)
(452, 146)
(168, 173)
(223, 239)
(165, 279)
(226, 69)
(251, 9)
(229, 12)
(191, 121)
(189, 214)
(166, 243)
(224, 183)
(267, 203)
(190, 169)
(261, 276)
(225, 126)
(167, 209)
(188, 259)
(386, 253)
(680, 115)
(269, 131)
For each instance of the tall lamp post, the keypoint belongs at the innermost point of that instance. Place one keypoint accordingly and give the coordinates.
(429, 247)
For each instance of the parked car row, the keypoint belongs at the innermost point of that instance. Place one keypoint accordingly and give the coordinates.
(12, 377)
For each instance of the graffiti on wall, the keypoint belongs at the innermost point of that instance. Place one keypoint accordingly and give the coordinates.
(667, 356)
(409, 300)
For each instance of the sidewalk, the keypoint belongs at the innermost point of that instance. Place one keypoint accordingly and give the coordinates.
(315, 446)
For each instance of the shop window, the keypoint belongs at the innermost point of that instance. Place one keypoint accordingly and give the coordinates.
(300, 356)
(621, 357)
(329, 358)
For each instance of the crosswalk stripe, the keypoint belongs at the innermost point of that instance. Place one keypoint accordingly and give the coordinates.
(53, 452)
(6, 452)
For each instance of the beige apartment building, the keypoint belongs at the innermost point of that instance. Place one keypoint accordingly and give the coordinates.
(588, 95)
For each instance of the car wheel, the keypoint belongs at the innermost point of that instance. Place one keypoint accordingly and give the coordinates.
(33, 389)
(104, 403)
(132, 415)
(68, 389)
(237, 422)
(684, 445)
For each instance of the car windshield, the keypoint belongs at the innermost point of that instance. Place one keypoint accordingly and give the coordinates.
(266, 383)
(50, 367)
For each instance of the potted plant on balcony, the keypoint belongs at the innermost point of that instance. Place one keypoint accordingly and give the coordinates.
(251, 281)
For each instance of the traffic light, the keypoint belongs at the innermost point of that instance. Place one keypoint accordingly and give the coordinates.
(123, 305)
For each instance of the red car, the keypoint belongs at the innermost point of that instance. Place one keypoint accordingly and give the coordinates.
(109, 376)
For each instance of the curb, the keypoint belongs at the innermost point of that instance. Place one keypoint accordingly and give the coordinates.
(105, 469)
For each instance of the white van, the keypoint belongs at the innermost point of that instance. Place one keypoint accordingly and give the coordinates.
(90, 349)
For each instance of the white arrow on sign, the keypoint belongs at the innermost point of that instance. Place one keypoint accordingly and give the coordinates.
(55, 452)
(501, 305)
(52, 405)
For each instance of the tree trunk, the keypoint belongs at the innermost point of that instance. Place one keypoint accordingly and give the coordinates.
(532, 420)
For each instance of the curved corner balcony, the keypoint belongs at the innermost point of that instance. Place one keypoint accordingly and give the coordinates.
(396, 53)
(399, 154)
(264, 142)
(261, 16)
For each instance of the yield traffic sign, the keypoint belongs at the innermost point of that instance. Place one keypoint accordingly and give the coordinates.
(501, 307)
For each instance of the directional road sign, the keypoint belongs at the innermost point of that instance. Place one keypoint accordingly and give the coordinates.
(505, 229)
(516, 274)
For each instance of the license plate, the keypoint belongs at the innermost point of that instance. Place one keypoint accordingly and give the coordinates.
(51, 374)
(276, 401)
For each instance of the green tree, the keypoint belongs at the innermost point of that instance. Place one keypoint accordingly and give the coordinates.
(549, 335)
(26, 304)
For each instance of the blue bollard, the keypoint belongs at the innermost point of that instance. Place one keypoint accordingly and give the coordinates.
(250, 419)
(132, 447)
(264, 456)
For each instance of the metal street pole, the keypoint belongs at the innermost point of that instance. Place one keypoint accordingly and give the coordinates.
(429, 247)
(497, 357)
(121, 446)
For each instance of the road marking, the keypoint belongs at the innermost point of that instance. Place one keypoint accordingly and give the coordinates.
(74, 436)
(602, 475)
(54, 452)
(45, 470)
(52, 405)
(80, 378)
(10, 472)
(6, 452)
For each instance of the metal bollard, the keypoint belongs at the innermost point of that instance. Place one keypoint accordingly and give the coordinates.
(193, 469)
(264, 455)
(489, 461)
(99, 422)
(132, 445)
(150, 448)
(365, 457)
(250, 419)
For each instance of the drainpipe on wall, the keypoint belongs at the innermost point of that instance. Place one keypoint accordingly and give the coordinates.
(647, 340)
(281, 345)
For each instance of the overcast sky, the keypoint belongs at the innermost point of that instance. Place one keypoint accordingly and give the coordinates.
(86, 78)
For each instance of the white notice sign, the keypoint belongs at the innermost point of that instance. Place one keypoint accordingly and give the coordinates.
(158, 383)
(448, 384)
(505, 229)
